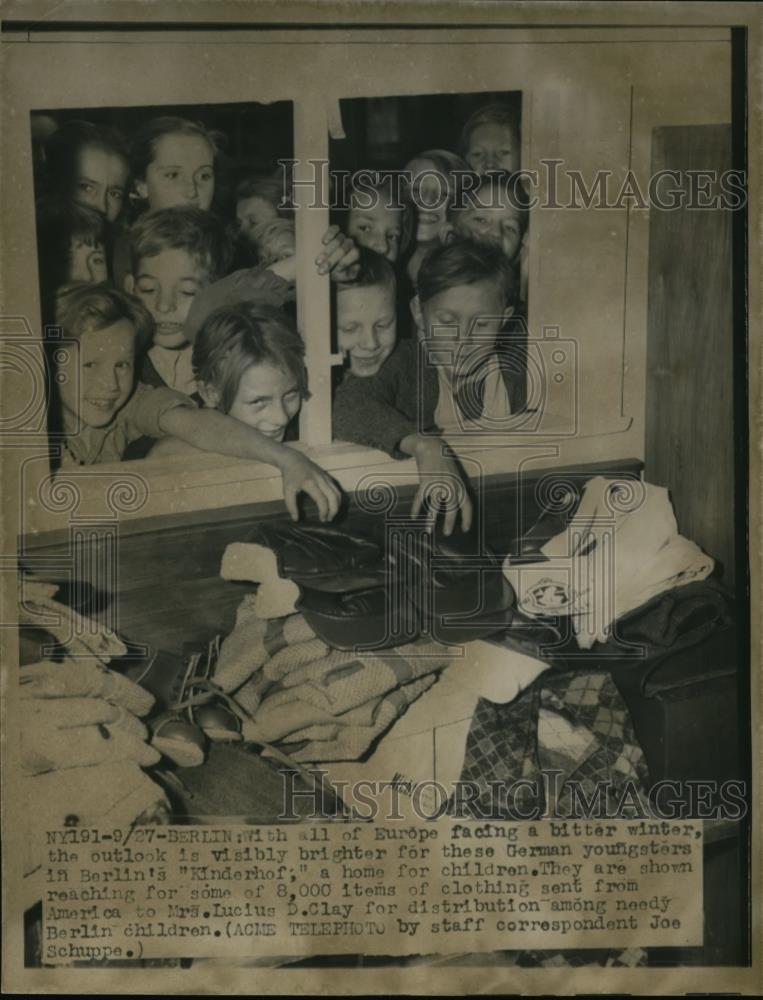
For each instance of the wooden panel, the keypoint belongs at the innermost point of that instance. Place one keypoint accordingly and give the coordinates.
(689, 398)
(167, 585)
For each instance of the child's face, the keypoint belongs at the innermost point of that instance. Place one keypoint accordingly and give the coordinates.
(100, 180)
(470, 313)
(166, 285)
(430, 196)
(277, 245)
(366, 327)
(379, 228)
(252, 212)
(87, 260)
(493, 147)
(498, 226)
(268, 398)
(182, 173)
(106, 375)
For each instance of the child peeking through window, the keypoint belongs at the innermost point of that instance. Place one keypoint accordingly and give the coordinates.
(401, 397)
(248, 359)
(386, 399)
(102, 409)
(174, 253)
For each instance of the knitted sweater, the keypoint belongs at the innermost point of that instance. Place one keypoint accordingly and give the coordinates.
(381, 410)
(402, 397)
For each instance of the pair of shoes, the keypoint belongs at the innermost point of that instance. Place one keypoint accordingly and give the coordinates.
(190, 708)
(357, 594)
(193, 714)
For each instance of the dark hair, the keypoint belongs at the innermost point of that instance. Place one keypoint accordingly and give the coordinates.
(494, 113)
(374, 270)
(495, 190)
(199, 233)
(269, 187)
(63, 146)
(235, 337)
(58, 224)
(143, 145)
(383, 183)
(466, 263)
(82, 308)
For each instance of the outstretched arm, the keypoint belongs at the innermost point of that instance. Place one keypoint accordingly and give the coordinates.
(211, 430)
(441, 482)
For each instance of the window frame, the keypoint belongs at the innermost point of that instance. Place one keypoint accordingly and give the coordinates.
(217, 482)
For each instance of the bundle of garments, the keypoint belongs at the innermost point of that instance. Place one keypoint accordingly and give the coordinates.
(619, 551)
(322, 703)
(358, 594)
(84, 745)
(342, 636)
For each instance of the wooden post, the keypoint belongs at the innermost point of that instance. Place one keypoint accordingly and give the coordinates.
(311, 198)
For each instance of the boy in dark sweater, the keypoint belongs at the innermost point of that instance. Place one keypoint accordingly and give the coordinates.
(462, 379)
(386, 400)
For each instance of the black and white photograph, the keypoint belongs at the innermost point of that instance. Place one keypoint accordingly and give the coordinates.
(380, 449)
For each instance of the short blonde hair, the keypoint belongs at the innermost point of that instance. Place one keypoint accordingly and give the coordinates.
(82, 307)
(235, 337)
(489, 114)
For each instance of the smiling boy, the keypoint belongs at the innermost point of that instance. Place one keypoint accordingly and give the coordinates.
(494, 213)
(102, 411)
(175, 252)
(385, 400)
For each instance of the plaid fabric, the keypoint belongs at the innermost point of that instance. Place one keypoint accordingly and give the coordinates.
(575, 724)
(609, 958)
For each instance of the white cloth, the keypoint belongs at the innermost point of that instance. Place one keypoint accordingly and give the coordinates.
(621, 549)
(276, 597)
(83, 637)
(175, 367)
(496, 406)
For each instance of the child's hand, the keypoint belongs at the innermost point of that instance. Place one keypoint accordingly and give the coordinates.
(440, 482)
(339, 256)
(300, 474)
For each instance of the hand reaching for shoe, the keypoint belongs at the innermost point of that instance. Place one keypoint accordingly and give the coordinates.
(442, 489)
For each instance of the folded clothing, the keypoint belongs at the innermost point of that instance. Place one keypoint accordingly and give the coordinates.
(292, 687)
(336, 692)
(667, 625)
(621, 549)
(255, 641)
(427, 743)
(572, 727)
(359, 728)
